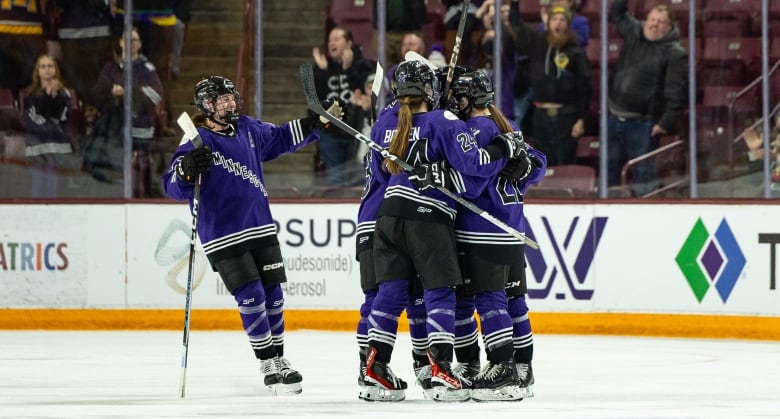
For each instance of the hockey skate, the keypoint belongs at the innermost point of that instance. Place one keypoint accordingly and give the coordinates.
(362, 377)
(525, 374)
(422, 371)
(279, 377)
(381, 385)
(446, 385)
(497, 381)
(362, 372)
(467, 370)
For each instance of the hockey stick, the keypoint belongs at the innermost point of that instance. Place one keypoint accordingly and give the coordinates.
(415, 56)
(456, 50)
(379, 76)
(307, 79)
(191, 134)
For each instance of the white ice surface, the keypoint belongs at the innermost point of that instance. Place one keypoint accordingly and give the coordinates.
(136, 375)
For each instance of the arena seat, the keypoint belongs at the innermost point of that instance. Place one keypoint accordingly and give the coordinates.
(729, 60)
(734, 15)
(341, 11)
(566, 181)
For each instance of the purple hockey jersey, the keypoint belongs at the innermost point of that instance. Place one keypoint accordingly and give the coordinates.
(234, 214)
(436, 136)
(501, 198)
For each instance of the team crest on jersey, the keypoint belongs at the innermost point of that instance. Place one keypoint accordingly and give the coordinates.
(449, 115)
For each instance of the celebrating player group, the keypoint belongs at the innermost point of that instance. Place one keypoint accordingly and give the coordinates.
(439, 230)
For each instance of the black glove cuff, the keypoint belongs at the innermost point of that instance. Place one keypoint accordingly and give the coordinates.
(309, 123)
(496, 151)
(180, 173)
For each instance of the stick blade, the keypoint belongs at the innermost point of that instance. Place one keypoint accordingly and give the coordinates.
(190, 132)
(379, 76)
(415, 56)
(306, 73)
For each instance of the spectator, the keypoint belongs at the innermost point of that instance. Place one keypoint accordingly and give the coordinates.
(754, 140)
(86, 43)
(648, 91)
(472, 32)
(522, 90)
(579, 23)
(155, 22)
(412, 41)
(46, 109)
(402, 16)
(147, 96)
(560, 84)
(337, 74)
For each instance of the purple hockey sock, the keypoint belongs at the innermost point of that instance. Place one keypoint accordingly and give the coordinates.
(252, 308)
(390, 301)
(440, 306)
(466, 336)
(496, 324)
(415, 313)
(361, 333)
(274, 305)
(522, 336)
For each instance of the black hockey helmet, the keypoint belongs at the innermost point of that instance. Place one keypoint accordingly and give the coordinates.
(208, 90)
(415, 78)
(441, 73)
(477, 87)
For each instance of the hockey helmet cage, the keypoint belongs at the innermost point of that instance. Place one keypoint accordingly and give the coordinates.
(209, 89)
(414, 78)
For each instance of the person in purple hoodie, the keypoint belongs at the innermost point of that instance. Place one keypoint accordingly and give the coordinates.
(235, 224)
(492, 261)
(431, 139)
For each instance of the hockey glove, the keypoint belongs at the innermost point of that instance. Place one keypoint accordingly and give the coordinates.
(517, 168)
(314, 121)
(431, 175)
(513, 142)
(194, 163)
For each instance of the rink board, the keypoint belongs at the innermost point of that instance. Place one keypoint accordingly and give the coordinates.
(655, 269)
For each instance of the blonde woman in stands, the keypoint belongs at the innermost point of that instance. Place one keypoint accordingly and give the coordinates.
(46, 106)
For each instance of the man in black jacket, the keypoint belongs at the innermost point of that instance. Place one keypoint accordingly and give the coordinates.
(648, 91)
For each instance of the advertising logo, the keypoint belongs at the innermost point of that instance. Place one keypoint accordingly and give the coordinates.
(173, 250)
(711, 260)
(572, 259)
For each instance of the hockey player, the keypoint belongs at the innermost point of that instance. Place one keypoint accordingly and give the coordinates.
(420, 134)
(490, 258)
(235, 224)
(370, 200)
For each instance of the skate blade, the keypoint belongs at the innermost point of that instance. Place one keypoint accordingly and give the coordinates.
(508, 394)
(373, 393)
(426, 389)
(527, 392)
(446, 394)
(286, 389)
